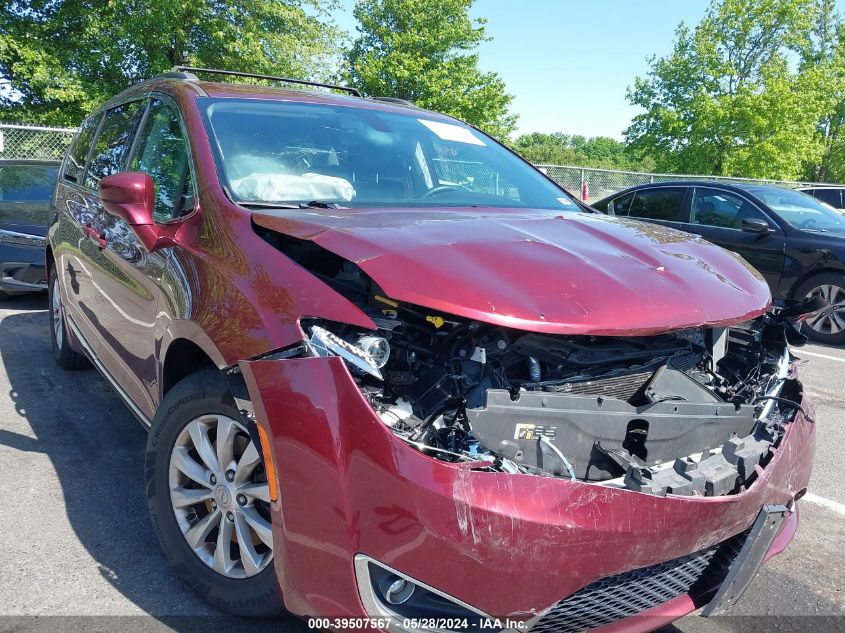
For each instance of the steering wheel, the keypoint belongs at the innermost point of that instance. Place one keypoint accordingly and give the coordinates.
(434, 191)
(808, 223)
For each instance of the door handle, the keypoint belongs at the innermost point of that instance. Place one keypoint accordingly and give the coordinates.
(94, 235)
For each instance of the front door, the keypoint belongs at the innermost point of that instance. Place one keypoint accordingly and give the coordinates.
(130, 278)
(717, 216)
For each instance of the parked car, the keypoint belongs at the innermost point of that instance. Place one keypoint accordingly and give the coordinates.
(796, 242)
(26, 187)
(829, 195)
(392, 371)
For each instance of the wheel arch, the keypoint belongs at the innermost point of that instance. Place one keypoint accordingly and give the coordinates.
(813, 273)
(182, 358)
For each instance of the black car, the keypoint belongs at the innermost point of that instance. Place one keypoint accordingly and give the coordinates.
(26, 187)
(795, 241)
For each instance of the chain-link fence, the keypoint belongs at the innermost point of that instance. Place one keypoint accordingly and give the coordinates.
(592, 184)
(30, 142)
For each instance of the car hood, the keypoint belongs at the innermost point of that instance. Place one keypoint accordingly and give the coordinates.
(545, 271)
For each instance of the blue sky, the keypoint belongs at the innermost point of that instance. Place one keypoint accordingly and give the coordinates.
(569, 62)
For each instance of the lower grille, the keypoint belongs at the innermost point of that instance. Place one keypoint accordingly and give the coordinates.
(618, 597)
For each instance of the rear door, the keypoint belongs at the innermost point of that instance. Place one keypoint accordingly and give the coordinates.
(75, 253)
(717, 215)
(662, 205)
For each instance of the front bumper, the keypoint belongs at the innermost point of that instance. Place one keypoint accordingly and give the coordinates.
(511, 546)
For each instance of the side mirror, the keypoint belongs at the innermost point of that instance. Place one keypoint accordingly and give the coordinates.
(130, 196)
(757, 226)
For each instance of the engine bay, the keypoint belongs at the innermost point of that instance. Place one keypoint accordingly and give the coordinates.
(691, 412)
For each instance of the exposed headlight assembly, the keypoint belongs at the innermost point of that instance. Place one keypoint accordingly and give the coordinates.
(369, 354)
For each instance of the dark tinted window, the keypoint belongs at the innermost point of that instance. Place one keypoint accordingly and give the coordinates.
(78, 153)
(163, 154)
(713, 207)
(657, 204)
(113, 141)
(799, 209)
(833, 197)
(621, 205)
(27, 183)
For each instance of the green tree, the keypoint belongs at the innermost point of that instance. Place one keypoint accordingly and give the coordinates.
(727, 100)
(425, 51)
(59, 59)
(565, 149)
(825, 53)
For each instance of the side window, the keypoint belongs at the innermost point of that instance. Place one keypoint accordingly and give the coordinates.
(712, 207)
(829, 196)
(113, 141)
(78, 152)
(621, 205)
(163, 154)
(657, 204)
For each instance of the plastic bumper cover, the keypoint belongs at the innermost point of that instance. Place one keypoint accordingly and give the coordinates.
(512, 546)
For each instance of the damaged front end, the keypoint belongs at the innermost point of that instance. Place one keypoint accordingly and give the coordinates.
(457, 452)
(692, 412)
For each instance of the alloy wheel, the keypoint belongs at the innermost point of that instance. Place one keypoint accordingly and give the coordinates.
(56, 308)
(220, 496)
(831, 320)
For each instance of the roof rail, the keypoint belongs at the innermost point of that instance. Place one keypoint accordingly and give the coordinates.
(214, 71)
(173, 74)
(396, 100)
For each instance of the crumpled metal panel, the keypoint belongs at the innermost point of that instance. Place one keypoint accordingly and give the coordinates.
(544, 271)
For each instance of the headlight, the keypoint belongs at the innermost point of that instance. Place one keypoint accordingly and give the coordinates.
(369, 354)
(377, 347)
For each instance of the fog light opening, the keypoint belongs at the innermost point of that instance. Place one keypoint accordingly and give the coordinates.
(396, 590)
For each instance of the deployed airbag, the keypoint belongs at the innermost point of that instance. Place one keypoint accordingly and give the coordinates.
(273, 187)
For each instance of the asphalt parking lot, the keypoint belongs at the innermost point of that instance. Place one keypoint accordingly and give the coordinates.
(75, 538)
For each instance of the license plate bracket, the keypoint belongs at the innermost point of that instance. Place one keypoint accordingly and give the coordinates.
(748, 561)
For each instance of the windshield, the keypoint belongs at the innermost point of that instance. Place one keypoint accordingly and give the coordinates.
(292, 153)
(800, 210)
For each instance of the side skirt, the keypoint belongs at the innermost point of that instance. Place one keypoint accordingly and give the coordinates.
(89, 352)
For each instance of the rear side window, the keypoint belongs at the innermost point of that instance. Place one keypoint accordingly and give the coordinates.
(833, 197)
(163, 154)
(78, 153)
(621, 205)
(113, 141)
(27, 183)
(657, 204)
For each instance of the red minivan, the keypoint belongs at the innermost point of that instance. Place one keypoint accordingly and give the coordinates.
(394, 374)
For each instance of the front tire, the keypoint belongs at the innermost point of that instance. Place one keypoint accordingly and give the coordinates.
(208, 497)
(62, 352)
(828, 326)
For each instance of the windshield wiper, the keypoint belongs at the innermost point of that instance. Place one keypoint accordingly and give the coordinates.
(314, 204)
(319, 204)
(267, 205)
